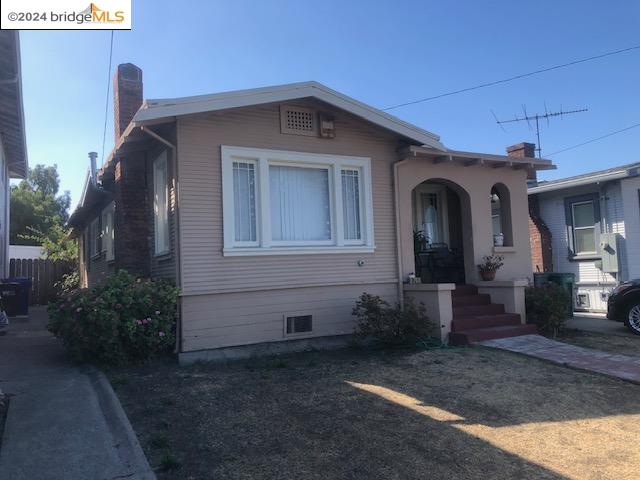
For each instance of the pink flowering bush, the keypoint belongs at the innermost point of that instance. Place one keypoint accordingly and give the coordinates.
(123, 320)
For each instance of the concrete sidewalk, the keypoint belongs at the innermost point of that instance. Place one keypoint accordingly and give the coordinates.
(614, 365)
(598, 324)
(64, 421)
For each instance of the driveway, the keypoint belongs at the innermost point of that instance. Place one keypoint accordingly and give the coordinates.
(599, 324)
(63, 421)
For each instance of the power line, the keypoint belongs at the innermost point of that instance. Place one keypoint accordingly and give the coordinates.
(106, 103)
(594, 140)
(517, 77)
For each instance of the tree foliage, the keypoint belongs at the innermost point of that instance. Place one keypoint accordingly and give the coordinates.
(38, 212)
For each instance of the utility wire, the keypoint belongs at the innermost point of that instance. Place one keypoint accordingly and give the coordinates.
(594, 139)
(106, 103)
(517, 77)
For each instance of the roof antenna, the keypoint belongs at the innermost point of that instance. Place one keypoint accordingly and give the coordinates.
(537, 117)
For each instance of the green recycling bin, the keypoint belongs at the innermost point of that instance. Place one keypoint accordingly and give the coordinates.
(565, 280)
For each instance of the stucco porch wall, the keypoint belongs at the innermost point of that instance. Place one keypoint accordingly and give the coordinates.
(510, 293)
(436, 298)
(473, 184)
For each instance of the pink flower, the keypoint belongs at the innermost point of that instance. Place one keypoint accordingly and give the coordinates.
(157, 312)
(139, 322)
(161, 334)
(79, 309)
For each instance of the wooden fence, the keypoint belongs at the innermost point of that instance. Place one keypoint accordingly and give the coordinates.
(43, 274)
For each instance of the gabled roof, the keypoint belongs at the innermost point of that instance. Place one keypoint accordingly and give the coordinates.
(153, 110)
(609, 174)
(11, 108)
(92, 195)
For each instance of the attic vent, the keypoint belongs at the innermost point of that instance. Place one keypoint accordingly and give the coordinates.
(298, 324)
(298, 120)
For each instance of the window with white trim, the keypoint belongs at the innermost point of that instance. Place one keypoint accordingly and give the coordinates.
(107, 231)
(292, 202)
(584, 227)
(161, 204)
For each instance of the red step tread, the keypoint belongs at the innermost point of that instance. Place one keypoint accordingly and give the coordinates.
(485, 321)
(464, 289)
(481, 334)
(475, 310)
(466, 300)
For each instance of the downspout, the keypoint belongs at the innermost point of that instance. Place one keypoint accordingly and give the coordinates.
(396, 206)
(174, 151)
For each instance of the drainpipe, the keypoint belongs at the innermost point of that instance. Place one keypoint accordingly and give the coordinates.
(396, 205)
(92, 161)
(174, 151)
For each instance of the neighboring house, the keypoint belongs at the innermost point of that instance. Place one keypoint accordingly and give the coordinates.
(13, 147)
(589, 226)
(274, 209)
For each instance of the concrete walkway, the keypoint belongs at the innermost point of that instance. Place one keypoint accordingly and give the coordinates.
(64, 421)
(619, 366)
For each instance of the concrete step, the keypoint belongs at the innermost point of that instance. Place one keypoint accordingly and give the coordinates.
(491, 333)
(485, 321)
(467, 300)
(475, 310)
(464, 289)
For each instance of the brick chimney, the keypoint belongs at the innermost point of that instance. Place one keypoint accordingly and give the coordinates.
(539, 233)
(127, 96)
(522, 150)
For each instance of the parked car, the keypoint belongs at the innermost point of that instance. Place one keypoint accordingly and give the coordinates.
(624, 305)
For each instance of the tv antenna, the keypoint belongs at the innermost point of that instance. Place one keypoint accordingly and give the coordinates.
(537, 117)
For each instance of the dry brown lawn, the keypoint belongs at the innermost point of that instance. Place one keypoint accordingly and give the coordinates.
(445, 414)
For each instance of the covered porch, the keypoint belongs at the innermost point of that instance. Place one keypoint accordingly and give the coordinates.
(454, 209)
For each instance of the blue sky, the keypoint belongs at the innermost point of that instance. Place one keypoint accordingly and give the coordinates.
(382, 53)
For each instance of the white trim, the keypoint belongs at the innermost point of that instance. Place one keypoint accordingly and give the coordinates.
(592, 227)
(301, 250)
(161, 234)
(334, 164)
(162, 108)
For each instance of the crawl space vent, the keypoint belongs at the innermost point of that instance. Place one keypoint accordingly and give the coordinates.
(298, 120)
(298, 324)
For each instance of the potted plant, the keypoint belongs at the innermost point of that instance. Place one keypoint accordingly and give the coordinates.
(489, 266)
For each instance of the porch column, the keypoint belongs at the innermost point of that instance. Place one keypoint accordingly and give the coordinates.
(436, 298)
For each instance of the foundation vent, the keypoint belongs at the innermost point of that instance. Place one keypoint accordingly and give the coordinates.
(298, 324)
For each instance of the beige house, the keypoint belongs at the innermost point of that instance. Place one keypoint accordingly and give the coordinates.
(273, 209)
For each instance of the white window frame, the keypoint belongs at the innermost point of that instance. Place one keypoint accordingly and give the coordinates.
(108, 236)
(162, 240)
(264, 244)
(592, 227)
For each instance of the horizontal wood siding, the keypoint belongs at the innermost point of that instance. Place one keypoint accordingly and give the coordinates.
(630, 193)
(204, 269)
(231, 319)
(552, 211)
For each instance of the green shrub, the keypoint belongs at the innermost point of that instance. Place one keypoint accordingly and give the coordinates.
(390, 325)
(123, 320)
(547, 307)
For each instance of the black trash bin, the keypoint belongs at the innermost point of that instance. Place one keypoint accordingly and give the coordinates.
(564, 280)
(10, 293)
(23, 294)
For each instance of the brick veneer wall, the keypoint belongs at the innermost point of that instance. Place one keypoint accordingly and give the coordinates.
(131, 219)
(540, 238)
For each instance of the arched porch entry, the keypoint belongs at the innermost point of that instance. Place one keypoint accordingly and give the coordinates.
(443, 233)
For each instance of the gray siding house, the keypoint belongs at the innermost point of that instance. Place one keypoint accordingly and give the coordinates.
(274, 209)
(594, 225)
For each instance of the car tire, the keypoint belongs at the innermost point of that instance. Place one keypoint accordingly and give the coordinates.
(632, 317)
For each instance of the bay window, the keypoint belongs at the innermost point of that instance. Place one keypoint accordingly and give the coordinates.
(279, 202)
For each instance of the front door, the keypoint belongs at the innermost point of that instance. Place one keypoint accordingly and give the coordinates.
(431, 218)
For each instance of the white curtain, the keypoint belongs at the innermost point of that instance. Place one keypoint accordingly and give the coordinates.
(244, 198)
(351, 204)
(300, 208)
(430, 217)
